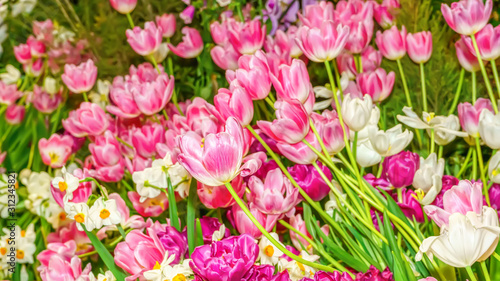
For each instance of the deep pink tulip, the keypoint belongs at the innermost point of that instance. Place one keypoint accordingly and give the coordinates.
(292, 82)
(245, 226)
(291, 124)
(81, 78)
(466, 59)
(275, 195)
(152, 97)
(81, 194)
(225, 57)
(22, 53)
(145, 41)
(144, 139)
(334, 276)
(45, 102)
(187, 14)
(247, 37)
(214, 197)
(236, 103)
(59, 268)
(409, 205)
(174, 242)
(323, 43)
(218, 158)
(151, 207)
(462, 198)
(89, 119)
(400, 169)
(219, 32)
(488, 42)
(377, 84)
(469, 114)
(105, 150)
(299, 152)
(419, 46)
(34, 68)
(123, 6)
(37, 48)
(208, 226)
(123, 104)
(467, 16)
(330, 130)
(253, 75)
(298, 223)
(9, 93)
(373, 274)
(56, 150)
(14, 114)
(384, 13)
(191, 45)
(167, 24)
(360, 35)
(392, 43)
(316, 14)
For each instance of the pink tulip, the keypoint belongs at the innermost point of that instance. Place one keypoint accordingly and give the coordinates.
(466, 59)
(61, 269)
(43, 30)
(22, 52)
(292, 82)
(105, 150)
(409, 205)
(145, 41)
(291, 124)
(56, 150)
(191, 45)
(167, 24)
(462, 198)
(236, 103)
(467, 16)
(300, 153)
(66, 235)
(218, 158)
(225, 57)
(152, 97)
(316, 14)
(360, 35)
(144, 72)
(37, 48)
(123, 6)
(247, 37)
(253, 75)
(488, 42)
(392, 43)
(135, 221)
(144, 139)
(377, 84)
(34, 68)
(284, 44)
(353, 11)
(419, 46)
(370, 60)
(45, 102)
(274, 196)
(81, 194)
(203, 118)
(89, 119)
(298, 223)
(214, 197)
(81, 78)
(330, 130)
(188, 14)
(123, 103)
(323, 43)
(244, 225)
(151, 207)
(14, 114)
(384, 13)
(9, 93)
(219, 32)
(469, 115)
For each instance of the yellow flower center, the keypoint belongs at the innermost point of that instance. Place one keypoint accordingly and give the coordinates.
(269, 250)
(53, 157)
(202, 142)
(3, 251)
(63, 186)
(62, 216)
(80, 217)
(419, 194)
(104, 214)
(20, 254)
(430, 117)
(157, 265)
(23, 233)
(495, 172)
(179, 277)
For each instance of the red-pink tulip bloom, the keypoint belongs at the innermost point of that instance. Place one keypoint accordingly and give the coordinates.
(384, 13)
(123, 6)
(219, 32)
(167, 24)
(105, 150)
(214, 197)
(253, 75)
(56, 150)
(323, 43)
(330, 130)
(123, 104)
(316, 14)
(37, 48)
(152, 97)
(191, 45)
(151, 207)
(236, 103)
(419, 46)
(81, 78)
(89, 119)
(34, 68)
(291, 124)
(22, 52)
(377, 84)
(360, 35)
(292, 82)
(245, 226)
(218, 158)
(45, 102)
(467, 16)
(300, 153)
(145, 41)
(358, 15)
(14, 114)
(144, 139)
(392, 43)
(466, 58)
(488, 42)
(247, 37)
(225, 57)
(203, 118)
(469, 114)
(9, 93)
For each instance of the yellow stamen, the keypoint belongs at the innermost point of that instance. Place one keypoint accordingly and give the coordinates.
(157, 265)
(179, 277)
(269, 250)
(104, 214)
(53, 157)
(63, 186)
(80, 217)
(20, 254)
(202, 142)
(3, 251)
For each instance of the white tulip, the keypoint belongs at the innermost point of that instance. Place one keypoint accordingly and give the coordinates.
(223, 3)
(494, 168)
(356, 112)
(366, 156)
(372, 123)
(390, 142)
(489, 129)
(50, 85)
(428, 177)
(11, 76)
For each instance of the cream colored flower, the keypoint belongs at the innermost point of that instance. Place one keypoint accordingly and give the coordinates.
(269, 253)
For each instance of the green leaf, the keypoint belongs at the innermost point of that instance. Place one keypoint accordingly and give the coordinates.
(191, 216)
(172, 206)
(199, 232)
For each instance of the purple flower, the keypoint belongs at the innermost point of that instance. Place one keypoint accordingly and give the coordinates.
(494, 193)
(334, 276)
(309, 179)
(266, 167)
(400, 169)
(448, 183)
(373, 274)
(229, 259)
(283, 276)
(208, 226)
(259, 273)
(174, 242)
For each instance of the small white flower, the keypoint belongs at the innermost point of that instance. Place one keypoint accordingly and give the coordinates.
(428, 178)
(219, 234)
(67, 182)
(161, 53)
(296, 269)
(50, 85)
(390, 142)
(107, 276)
(223, 3)
(269, 253)
(23, 6)
(104, 213)
(101, 97)
(165, 271)
(80, 213)
(13, 74)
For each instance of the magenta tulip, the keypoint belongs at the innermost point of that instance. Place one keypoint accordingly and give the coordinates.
(400, 169)
(191, 45)
(145, 41)
(310, 180)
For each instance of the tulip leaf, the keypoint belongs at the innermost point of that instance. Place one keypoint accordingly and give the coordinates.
(172, 206)
(191, 216)
(199, 232)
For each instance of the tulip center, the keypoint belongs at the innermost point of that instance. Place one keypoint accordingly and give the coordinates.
(80, 217)
(419, 194)
(63, 186)
(53, 157)
(495, 172)
(104, 214)
(269, 250)
(179, 277)
(20, 254)
(202, 142)
(430, 117)
(3, 251)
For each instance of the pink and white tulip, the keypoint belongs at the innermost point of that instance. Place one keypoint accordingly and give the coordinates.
(9, 93)
(123, 6)
(152, 97)
(330, 130)
(123, 103)
(151, 207)
(191, 45)
(467, 17)
(22, 53)
(244, 225)
(225, 57)
(14, 114)
(145, 41)
(419, 46)
(253, 75)
(56, 150)
(384, 13)
(235, 103)
(214, 197)
(81, 78)
(89, 119)
(247, 37)
(299, 152)
(167, 24)
(466, 58)
(45, 102)
(469, 115)
(292, 82)
(488, 42)
(144, 139)
(323, 43)
(37, 48)
(316, 14)
(392, 43)
(377, 84)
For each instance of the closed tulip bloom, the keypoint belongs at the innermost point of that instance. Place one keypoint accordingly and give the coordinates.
(428, 178)
(56, 150)
(245, 226)
(253, 75)
(377, 84)
(123, 6)
(392, 43)
(292, 81)
(488, 42)
(144, 139)
(214, 197)
(225, 57)
(37, 48)
(247, 37)
(187, 14)
(167, 24)
(316, 14)
(466, 58)
(467, 17)
(390, 142)
(236, 103)
(299, 152)
(324, 43)
(489, 129)
(14, 114)
(122, 99)
(44, 102)
(89, 119)
(9, 93)
(22, 53)
(145, 41)
(469, 115)
(105, 150)
(81, 78)
(419, 46)
(291, 124)
(219, 31)
(409, 205)
(330, 130)
(191, 45)
(152, 97)
(310, 180)
(360, 35)
(400, 169)
(356, 112)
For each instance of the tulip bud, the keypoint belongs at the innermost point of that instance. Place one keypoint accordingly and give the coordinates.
(188, 14)
(356, 112)
(392, 43)
(81, 78)
(469, 115)
(324, 43)
(488, 42)
(400, 169)
(466, 58)
(167, 24)
(247, 37)
(191, 45)
(419, 46)
(14, 114)
(145, 41)
(236, 103)
(123, 6)
(489, 129)
(309, 179)
(377, 84)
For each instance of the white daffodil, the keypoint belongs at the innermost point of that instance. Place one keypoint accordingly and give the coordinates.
(107, 276)
(296, 269)
(23, 6)
(366, 155)
(269, 253)
(494, 168)
(104, 213)
(101, 97)
(427, 179)
(356, 112)
(150, 182)
(179, 177)
(80, 213)
(67, 182)
(24, 243)
(390, 142)
(219, 234)
(489, 129)
(165, 271)
(12, 74)
(223, 3)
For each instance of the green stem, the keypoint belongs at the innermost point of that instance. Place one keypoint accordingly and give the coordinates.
(424, 91)
(85, 98)
(485, 75)
(87, 254)
(122, 232)
(339, 86)
(482, 171)
(6, 134)
(464, 165)
(130, 21)
(495, 74)
(474, 87)
(268, 101)
(405, 86)
(104, 192)
(240, 12)
(354, 144)
(457, 93)
(440, 151)
(153, 60)
(471, 274)
(432, 144)
(271, 238)
(124, 142)
(485, 271)
(174, 93)
(474, 164)
(320, 139)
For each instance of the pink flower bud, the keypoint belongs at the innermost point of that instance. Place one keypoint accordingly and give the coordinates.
(219, 32)
(252, 75)
(89, 119)
(191, 45)
(292, 82)
(22, 53)
(330, 130)
(377, 84)
(167, 24)
(188, 14)
(144, 139)
(247, 37)
(145, 41)
(123, 6)
(37, 48)
(419, 46)
(488, 42)
(392, 43)
(469, 114)
(14, 114)
(467, 16)
(310, 180)
(45, 102)
(236, 103)
(81, 78)
(56, 150)
(466, 59)
(323, 43)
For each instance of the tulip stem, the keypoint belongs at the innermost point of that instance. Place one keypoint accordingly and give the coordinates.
(339, 86)
(482, 171)
(424, 90)
(122, 232)
(474, 164)
(130, 21)
(320, 139)
(271, 238)
(85, 98)
(405, 86)
(485, 75)
(495, 74)
(103, 190)
(432, 143)
(268, 101)
(485, 271)
(354, 144)
(171, 72)
(457, 93)
(471, 274)
(124, 142)
(474, 87)
(464, 165)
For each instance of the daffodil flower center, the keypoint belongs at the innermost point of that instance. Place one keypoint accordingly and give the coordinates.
(269, 250)
(104, 214)
(80, 217)
(63, 186)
